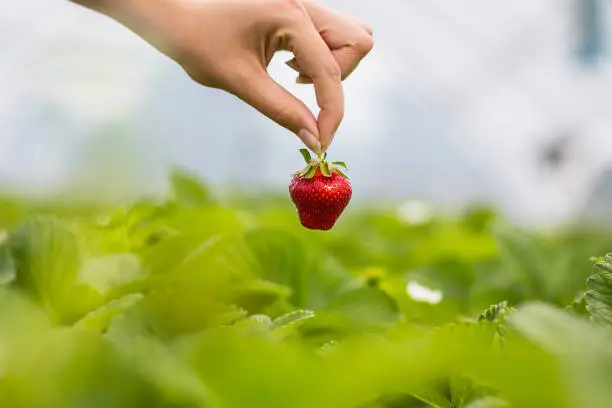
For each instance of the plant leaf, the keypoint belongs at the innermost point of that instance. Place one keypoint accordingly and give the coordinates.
(340, 163)
(311, 172)
(305, 171)
(205, 222)
(108, 274)
(306, 155)
(99, 320)
(162, 366)
(291, 318)
(259, 320)
(325, 169)
(433, 397)
(571, 342)
(288, 324)
(599, 298)
(47, 261)
(187, 189)
(579, 305)
(488, 402)
(526, 259)
(285, 259)
(342, 173)
(362, 309)
(7, 265)
(195, 294)
(495, 313)
(256, 295)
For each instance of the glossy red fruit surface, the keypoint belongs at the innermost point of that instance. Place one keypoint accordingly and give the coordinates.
(320, 200)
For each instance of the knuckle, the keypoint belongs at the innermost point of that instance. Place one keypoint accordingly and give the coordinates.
(333, 70)
(334, 109)
(364, 44)
(290, 12)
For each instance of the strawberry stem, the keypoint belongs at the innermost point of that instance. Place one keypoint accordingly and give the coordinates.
(320, 163)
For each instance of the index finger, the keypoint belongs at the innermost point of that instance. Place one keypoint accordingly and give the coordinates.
(318, 63)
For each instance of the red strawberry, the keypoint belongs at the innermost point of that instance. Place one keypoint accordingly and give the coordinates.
(320, 192)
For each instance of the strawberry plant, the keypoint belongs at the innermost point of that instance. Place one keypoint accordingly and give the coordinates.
(194, 301)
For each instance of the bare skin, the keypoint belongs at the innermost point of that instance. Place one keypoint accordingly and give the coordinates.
(228, 44)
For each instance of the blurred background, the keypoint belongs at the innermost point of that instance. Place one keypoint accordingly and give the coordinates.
(504, 103)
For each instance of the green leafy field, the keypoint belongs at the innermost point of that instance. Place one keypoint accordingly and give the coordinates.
(202, 302)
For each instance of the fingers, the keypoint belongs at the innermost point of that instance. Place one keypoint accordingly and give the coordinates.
(258, 89)
(349, 48)
(365, 27)
(349, 40)
(347, 58)
(317, 63)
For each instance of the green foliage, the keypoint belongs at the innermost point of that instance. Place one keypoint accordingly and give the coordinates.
(187, 189)
(196, 302)
(598, 299)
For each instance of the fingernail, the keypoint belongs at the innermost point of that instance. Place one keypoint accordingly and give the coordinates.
(310, 140)
(292, 63)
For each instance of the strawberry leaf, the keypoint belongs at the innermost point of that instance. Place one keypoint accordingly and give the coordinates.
(291, 319)
(306, 155)
(325, 169)
(304, 171)
(188, 189)
(340, 172)
(100, 319)
(311, 172)
(7, 265)
(47, 258)
(579, 305)
(495, 313)
(599, 296)
(340, 163)
(488, 402)
(288, 324)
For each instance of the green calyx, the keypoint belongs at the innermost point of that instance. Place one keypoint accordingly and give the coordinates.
(327, 168)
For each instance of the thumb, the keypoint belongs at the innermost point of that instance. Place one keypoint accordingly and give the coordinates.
(260, 91)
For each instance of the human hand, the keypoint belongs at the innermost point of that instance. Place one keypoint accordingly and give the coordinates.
(349, 40)
(228, 44)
